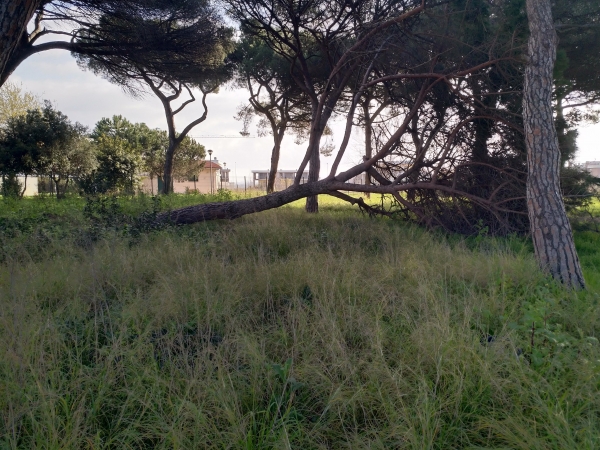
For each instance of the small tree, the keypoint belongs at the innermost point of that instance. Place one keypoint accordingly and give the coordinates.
(274, 97)
(15, 102)
(171, 77)
(154, 144)
(189, 159)
(118, 150)
(74, 160)
(30, 144)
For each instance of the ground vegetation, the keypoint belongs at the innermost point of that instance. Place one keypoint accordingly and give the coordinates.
(449, 144)
(286, 330)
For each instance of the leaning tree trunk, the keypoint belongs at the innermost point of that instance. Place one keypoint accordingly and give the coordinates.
(14, 17)
(238, 208)
(550, 228)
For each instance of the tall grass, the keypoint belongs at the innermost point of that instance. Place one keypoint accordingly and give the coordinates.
(281, 330)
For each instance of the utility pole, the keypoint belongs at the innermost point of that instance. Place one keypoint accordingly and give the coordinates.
(210, 152)
(222, 174)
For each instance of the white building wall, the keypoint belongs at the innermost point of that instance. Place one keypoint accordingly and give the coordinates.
(202, 185)
(30, 183)
(593, 167)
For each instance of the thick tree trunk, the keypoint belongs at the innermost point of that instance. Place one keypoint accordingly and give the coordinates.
(22, 194)
(168, 172)
(482, 179)
(14, 17)
(483, 127)
(312, 202)
(550, 228)
(59, 195)
(368, 143)
(274, 162)
(483, 132)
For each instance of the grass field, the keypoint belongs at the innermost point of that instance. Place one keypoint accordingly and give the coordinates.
(286, 331)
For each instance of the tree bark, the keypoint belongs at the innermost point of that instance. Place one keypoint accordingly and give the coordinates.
(14, 17)
(24, 187)
(550, 227)
(368, 141)
(312, 201)
(277, 137)
(239, 208)
(175, 139)
(59, 194)
(168, 171)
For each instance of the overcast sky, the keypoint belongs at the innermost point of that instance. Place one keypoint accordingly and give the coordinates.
(86, 98)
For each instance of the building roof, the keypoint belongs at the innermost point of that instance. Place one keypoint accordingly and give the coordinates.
(211, 164)
(278, 171)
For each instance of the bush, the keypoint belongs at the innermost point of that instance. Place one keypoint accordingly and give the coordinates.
(11, 187)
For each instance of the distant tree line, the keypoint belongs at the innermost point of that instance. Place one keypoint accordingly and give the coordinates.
(37, 140)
